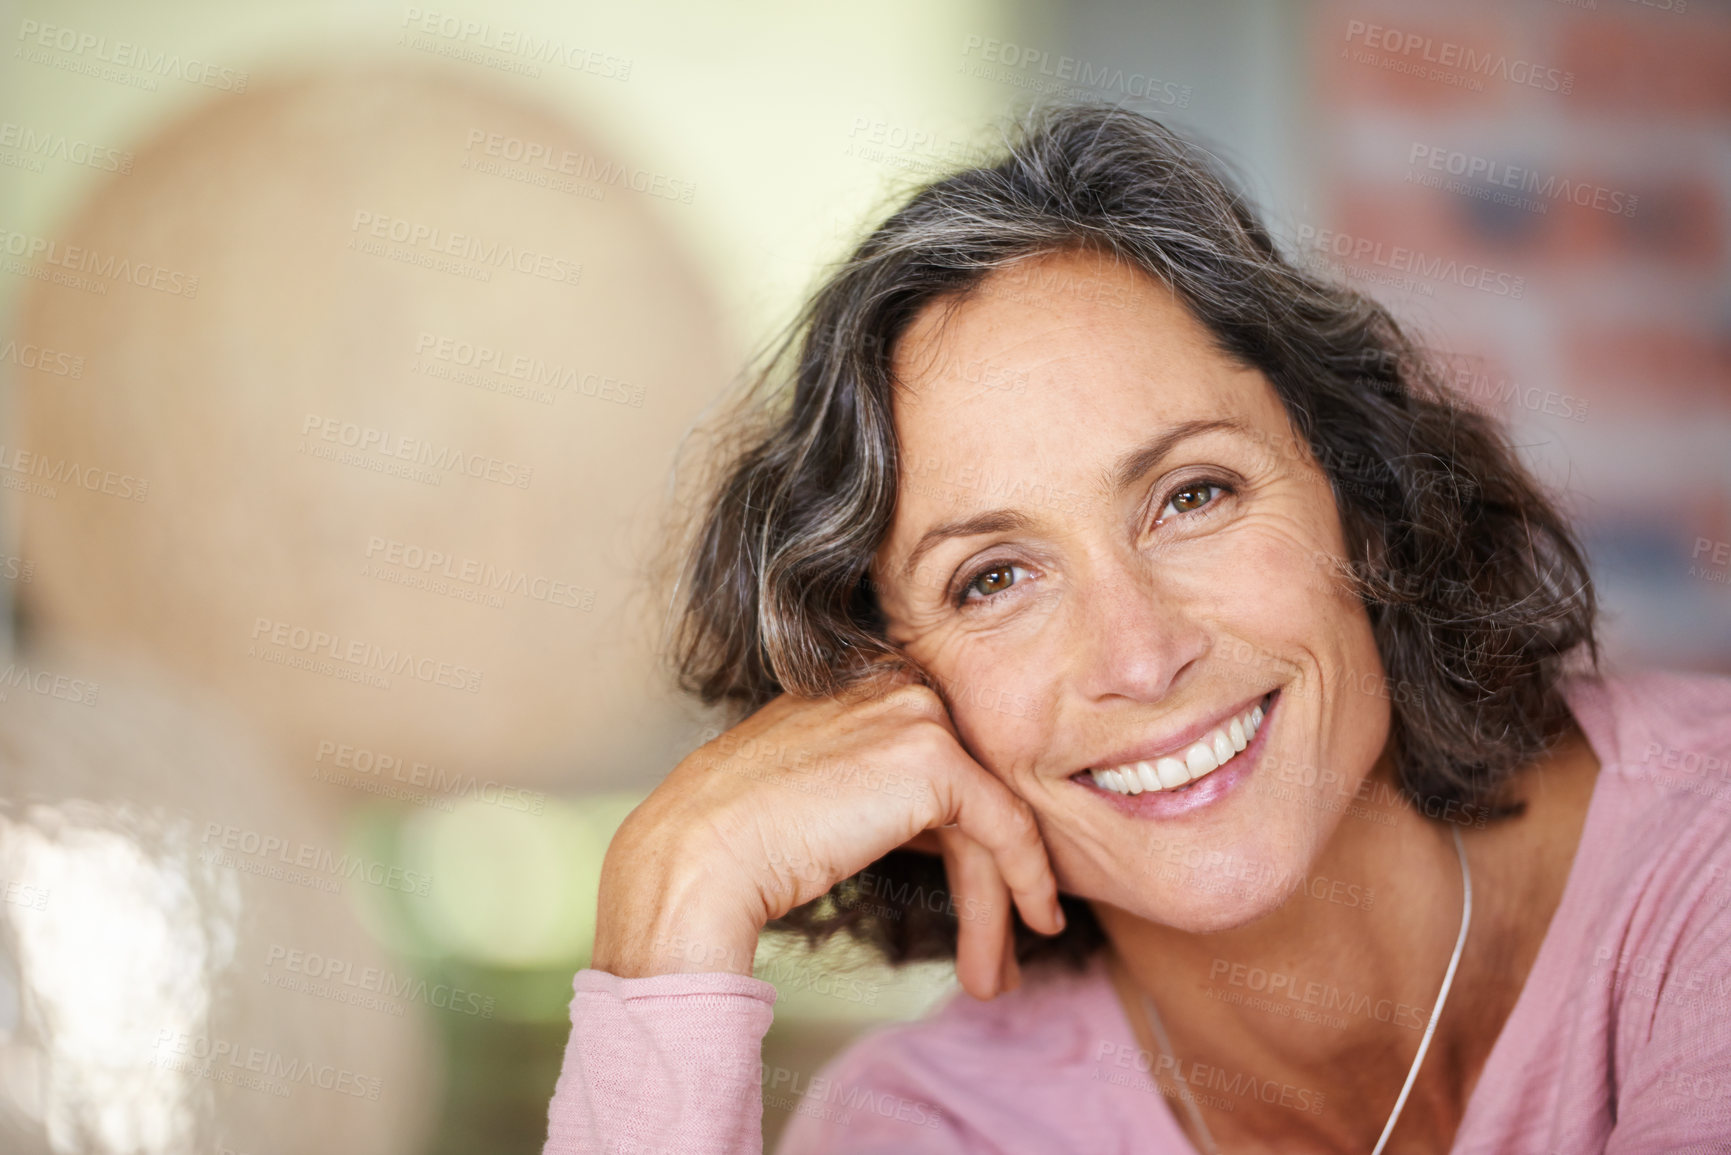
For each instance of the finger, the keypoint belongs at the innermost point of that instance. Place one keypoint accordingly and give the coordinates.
(879, 679)
(982, 913)
(1012, 969)
(987, 812)
(968, 796)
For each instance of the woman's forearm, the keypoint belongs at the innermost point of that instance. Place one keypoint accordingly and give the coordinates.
(662, 1065)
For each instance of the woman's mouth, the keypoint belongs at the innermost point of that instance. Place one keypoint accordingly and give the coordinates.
(1215, 750)
(1173, 782)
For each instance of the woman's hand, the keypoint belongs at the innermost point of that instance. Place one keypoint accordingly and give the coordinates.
(802, 794)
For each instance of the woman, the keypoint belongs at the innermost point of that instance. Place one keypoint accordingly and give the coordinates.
(1150, 596)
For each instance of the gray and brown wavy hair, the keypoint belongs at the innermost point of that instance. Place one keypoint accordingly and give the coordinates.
(1476, 587)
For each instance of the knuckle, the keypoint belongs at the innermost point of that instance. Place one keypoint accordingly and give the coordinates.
(916, 701)
(1022, 823)
(935, 800)
(930, 743)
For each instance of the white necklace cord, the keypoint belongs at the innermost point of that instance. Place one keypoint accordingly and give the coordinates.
(1159, 1028)
(1184, 1093)
(1442, 995)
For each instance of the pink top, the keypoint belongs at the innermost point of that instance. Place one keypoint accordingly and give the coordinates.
(1620, 1040)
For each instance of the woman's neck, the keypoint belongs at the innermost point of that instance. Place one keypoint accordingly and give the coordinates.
(1331, 993)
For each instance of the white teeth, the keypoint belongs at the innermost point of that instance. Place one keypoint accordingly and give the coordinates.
(1149, 776)
(1215, 749)
(1222, 746)
(1172, 772)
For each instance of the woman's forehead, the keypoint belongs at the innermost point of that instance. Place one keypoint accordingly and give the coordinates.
(1091, 354)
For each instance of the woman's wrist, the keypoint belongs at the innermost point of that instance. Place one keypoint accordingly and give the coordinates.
(658, 915)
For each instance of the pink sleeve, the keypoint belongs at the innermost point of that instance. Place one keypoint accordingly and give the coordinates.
(1675, 1092)
(665, 1064)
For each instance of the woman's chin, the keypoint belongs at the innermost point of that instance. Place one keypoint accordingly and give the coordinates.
(1205, 905)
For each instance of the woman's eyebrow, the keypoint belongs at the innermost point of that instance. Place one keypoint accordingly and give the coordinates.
(990, 521)
(1133, 465)
(1128, 470)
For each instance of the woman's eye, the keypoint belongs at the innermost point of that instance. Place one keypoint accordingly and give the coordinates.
(1192, 497)
(993, 580)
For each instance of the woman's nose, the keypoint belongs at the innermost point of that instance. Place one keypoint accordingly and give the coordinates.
(1134, 640)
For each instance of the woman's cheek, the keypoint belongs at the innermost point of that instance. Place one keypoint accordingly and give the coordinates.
(1001, 716)
(1273, 588)
(1000, 701)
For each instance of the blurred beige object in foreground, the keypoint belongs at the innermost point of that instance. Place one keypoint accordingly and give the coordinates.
(164, 897)
(373, 432)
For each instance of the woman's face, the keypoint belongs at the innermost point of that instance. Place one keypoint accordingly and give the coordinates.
(1108, 547)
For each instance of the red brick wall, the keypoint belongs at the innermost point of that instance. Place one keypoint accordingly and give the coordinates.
(1543, 189)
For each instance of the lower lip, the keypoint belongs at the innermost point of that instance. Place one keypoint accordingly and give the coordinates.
(1205, 791)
